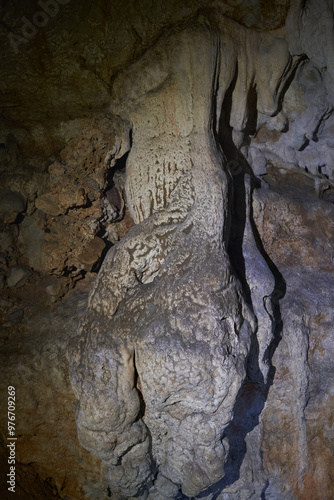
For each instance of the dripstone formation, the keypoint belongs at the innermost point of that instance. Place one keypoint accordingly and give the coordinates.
(187, 303)
(166, 249)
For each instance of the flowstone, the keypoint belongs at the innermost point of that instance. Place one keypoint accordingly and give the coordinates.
(170, 328)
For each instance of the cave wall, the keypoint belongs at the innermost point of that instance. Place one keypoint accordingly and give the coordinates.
(183, 153)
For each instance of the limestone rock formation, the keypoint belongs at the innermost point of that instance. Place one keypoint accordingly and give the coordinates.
(166, 218)
(175, 100)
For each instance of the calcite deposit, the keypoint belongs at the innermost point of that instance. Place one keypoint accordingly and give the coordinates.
(177, 185)
(166, 249)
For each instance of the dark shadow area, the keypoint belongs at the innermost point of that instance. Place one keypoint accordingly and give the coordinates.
(237, 194)
(114, 198)
(263, 493)
(292, 69)
(111, 192)
(120, 165)
(138, 386)
(254, 391)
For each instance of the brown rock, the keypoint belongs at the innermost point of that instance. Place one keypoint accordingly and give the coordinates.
(293, 228)
(92, 252)
(49, 204)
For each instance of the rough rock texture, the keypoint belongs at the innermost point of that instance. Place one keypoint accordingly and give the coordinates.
(170, 431)
(50, 461)
(58, 61)
(62, 226)
(202, 366)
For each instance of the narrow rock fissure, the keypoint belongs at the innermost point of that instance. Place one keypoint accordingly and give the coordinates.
(139, 388)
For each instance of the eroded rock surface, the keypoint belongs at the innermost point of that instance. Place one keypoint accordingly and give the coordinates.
(203, 361)
(166, 296)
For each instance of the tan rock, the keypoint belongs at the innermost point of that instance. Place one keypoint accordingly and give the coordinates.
(294, 230)
(49, 203)
(92, 252)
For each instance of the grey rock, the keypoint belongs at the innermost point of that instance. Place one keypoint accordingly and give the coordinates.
(31, 238)
(2, 281)
(8, 239)
(11, 204)
(17, 275)
(16, 316)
